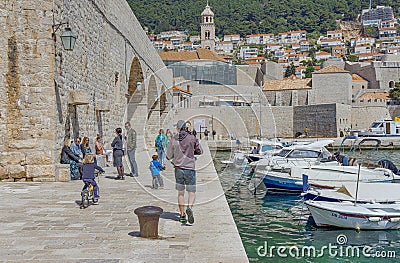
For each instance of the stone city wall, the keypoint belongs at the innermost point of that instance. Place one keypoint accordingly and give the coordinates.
(362, 116)
(51, 94)
(320, 120)
(288, 97)
(242, 122)
(332, 88)
(283, 120)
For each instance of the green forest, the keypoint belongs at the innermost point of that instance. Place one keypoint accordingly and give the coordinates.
(252, 16)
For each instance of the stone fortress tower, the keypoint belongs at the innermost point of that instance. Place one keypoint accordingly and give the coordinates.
(207, 29)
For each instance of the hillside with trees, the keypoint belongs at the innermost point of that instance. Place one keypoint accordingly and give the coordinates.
(252, 16)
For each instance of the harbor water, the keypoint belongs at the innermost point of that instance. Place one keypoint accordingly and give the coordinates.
(278, 227)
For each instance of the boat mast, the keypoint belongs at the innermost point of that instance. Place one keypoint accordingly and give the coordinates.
(358, 179)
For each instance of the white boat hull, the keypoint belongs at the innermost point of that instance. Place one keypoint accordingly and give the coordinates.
(361, 216)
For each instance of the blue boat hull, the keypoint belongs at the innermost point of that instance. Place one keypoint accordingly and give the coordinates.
(282, 184)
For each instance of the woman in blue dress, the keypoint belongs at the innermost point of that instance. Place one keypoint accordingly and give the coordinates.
(118, 153)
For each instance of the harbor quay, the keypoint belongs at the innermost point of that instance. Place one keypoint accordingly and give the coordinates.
(42, 222)
(387, 143)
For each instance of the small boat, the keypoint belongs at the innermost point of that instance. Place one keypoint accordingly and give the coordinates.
(381, 129)
(297, 155)
(324, 176)
(355, 216)
(284, 172)
(263, 149)
(367, 193)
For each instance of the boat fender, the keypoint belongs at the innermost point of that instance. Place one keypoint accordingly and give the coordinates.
(394, 219)
(374, 219)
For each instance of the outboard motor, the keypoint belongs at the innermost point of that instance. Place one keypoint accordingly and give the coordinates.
(384, 163)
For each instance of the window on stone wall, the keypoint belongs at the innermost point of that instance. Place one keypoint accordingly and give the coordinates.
(391, 84)
(362, 86)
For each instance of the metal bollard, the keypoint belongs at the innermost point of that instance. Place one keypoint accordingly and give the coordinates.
(148, 220)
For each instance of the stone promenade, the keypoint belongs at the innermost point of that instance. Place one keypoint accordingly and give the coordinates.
(42, 222)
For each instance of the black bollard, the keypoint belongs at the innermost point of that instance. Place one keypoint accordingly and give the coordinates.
(148, 220)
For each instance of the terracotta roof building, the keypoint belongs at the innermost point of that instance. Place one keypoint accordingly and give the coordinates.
(199, 54)
(331, 69)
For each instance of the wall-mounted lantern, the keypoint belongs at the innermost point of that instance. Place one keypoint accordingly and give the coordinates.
(68, 39)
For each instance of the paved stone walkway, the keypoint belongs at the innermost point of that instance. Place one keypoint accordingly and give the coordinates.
(43, 222)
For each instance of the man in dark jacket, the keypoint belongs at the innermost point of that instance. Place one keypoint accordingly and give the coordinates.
(181, 151)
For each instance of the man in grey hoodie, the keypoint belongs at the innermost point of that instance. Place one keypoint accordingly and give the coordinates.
(181, 151)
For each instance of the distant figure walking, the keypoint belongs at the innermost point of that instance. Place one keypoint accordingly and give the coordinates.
(160, 146)
(118, 153)
(206, 134)
(181, 151)
(213, 134)
(131, 148)
(306, 131)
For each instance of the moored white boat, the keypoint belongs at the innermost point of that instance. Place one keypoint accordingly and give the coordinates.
(359, 216)
(367, 193)
(323, 176)
(263, 149)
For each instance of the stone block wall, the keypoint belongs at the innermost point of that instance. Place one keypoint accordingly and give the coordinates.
(362, 116)
(320, 119)
(27, 101)
(283, 121)
(37, 77)
(332, 88)
(242, 122)
(288, 97)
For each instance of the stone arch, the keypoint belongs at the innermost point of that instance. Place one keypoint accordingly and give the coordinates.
(163, 99)
(136, 87)
(152, 94)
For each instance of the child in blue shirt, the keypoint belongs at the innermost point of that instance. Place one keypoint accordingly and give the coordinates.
(88, 174)
(155, 168)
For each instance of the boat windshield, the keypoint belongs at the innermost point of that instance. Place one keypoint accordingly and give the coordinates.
(282, 153)
(303, 154)
(376, 124)
(325, 153)
(265, 148)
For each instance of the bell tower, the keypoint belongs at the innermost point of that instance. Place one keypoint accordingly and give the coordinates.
(207, 29)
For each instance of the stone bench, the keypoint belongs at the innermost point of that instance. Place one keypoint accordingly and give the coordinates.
(62, 173)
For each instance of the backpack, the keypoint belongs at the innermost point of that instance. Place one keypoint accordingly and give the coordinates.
(160, 142)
